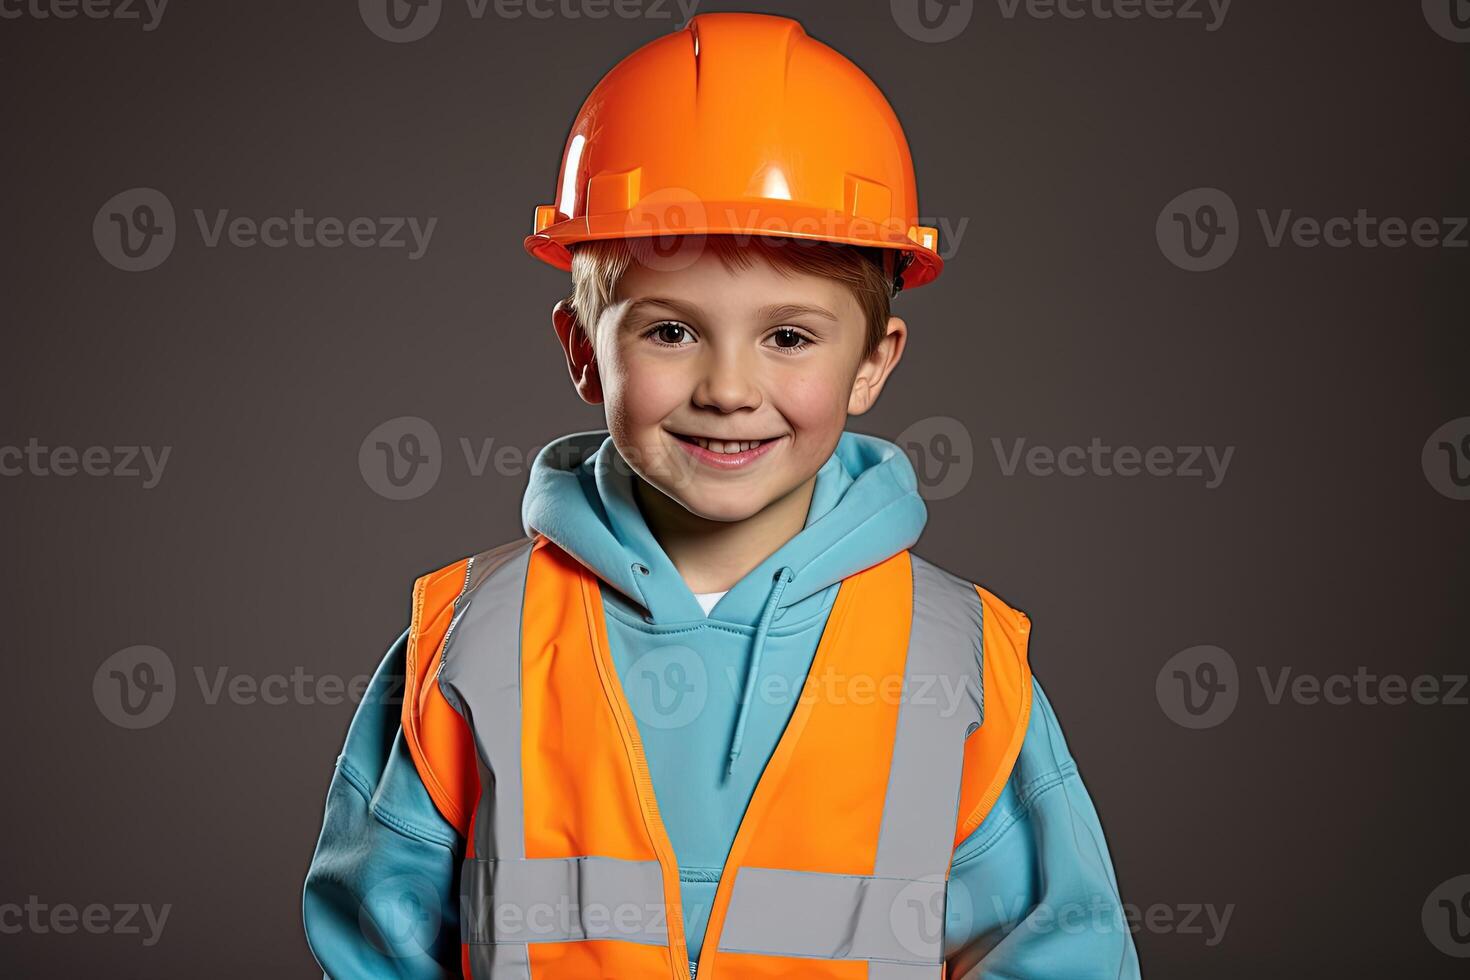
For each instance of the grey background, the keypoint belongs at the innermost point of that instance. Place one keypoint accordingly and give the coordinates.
(264, 550)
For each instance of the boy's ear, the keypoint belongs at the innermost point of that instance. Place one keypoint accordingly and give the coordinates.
(581, 361)
(874, 369)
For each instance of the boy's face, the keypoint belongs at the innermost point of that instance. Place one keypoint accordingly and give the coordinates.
(734, 356)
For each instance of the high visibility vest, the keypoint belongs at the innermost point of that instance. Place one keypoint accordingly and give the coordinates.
(517, 722)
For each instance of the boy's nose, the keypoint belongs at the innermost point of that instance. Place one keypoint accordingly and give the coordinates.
(728, 384)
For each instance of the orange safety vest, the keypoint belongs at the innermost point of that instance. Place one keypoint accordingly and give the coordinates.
(840, 864)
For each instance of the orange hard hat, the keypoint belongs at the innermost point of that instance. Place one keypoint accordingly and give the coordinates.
(739, 124)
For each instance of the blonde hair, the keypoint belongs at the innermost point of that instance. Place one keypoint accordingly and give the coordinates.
(598, 267)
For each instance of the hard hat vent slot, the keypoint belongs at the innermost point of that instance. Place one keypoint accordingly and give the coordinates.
(867, 199)
(610, 193)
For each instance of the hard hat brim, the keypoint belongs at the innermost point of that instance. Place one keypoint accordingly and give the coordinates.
(778, 219)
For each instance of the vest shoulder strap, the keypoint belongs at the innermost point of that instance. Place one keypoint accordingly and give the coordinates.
(439, 740)
(992, 749)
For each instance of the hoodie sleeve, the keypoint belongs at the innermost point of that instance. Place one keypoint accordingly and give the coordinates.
(1032, 893)
(380, 892)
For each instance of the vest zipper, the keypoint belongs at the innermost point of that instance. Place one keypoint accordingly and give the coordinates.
(469, 567)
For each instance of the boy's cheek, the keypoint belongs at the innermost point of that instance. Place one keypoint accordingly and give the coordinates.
(815, 403)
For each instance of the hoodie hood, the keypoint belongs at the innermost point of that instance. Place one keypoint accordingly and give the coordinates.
(865, 508)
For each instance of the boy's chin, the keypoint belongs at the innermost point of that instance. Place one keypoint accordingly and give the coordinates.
(727, 507)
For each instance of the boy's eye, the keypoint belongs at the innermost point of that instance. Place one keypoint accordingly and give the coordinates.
(789, 339)
(669, 332)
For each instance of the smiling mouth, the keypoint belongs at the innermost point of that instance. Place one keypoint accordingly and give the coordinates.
(724, 446)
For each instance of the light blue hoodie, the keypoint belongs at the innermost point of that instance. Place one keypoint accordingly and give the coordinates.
(1032, 891)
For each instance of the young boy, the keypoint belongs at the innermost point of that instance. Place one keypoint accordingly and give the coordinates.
(711, 714)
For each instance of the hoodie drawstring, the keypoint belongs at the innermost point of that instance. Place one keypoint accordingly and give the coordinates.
(783, 576)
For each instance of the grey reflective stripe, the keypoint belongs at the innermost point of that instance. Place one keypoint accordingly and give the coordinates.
(556, 900)
(879, 970)
(942, 704)
(480, 675)
(895, 917)
(829, 916)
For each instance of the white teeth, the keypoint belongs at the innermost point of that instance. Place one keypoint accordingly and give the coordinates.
(724, 448)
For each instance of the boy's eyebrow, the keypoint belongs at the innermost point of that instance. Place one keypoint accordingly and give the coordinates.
(778, 311)
(682, 309)
(786, 311)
